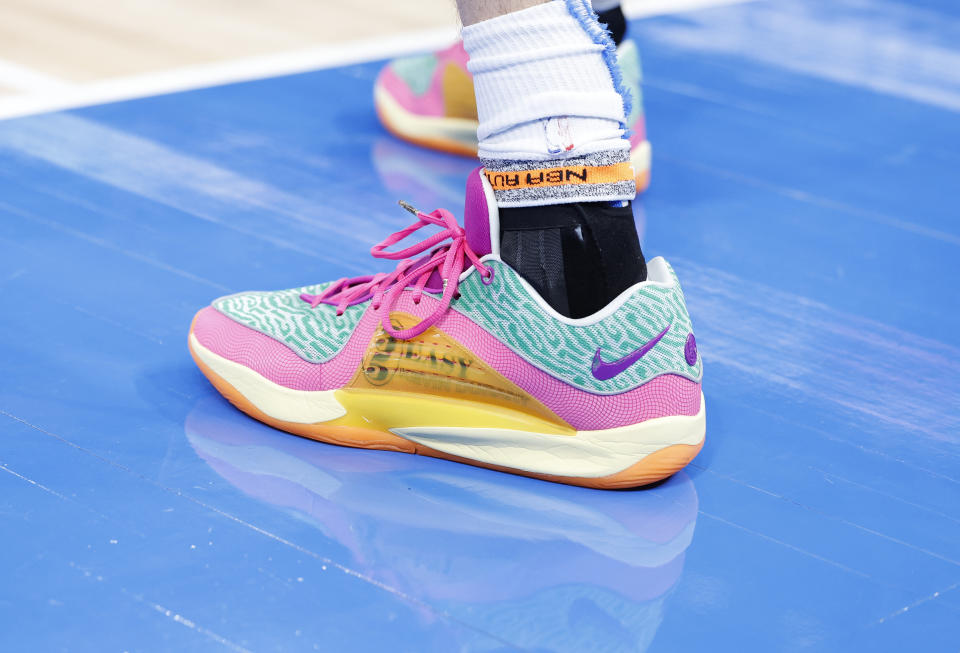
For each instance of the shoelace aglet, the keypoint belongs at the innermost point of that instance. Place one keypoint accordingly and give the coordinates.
(409, 207)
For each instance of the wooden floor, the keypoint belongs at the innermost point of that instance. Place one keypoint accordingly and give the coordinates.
(101, 39)
(56, 54)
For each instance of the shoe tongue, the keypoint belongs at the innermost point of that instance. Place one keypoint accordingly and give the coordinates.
(480, 216)
(480, 220)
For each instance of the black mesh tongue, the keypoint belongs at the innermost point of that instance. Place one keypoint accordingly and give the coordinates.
(578, 256)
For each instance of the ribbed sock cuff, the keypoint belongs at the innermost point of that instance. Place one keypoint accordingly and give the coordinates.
(551, 106)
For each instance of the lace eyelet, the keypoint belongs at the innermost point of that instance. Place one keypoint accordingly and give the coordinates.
(339, 313)
(416, 301)
(487, 279)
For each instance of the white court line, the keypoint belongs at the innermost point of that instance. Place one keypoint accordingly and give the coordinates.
(21, 78)
(46, 93)
(215, 74)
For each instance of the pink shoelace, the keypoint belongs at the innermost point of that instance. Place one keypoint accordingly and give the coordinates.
(448, 259)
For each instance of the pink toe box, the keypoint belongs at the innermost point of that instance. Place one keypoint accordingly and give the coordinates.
(268, 357)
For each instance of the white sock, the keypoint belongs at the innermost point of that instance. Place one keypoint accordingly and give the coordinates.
(549, 99)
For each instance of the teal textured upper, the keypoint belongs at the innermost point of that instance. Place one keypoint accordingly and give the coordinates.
(416, 71)
(507, 310)
(315, 334)
(628, 56)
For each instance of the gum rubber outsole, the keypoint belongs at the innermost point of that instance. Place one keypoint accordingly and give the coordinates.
(652, 468)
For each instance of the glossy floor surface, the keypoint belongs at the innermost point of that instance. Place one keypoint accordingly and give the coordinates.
(805, 178)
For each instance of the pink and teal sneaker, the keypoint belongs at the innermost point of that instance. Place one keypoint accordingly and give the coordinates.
(454, 355)
(428, 100)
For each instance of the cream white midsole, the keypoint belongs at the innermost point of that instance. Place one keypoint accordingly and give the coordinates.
(411, 125)
(585, 454)
(277, 401)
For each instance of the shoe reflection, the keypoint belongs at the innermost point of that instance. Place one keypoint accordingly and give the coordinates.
(421, 176)
(542, 566)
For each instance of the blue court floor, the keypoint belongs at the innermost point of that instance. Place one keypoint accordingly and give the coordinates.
(805, 183)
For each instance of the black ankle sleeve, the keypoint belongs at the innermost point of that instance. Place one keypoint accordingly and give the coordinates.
(577, 256)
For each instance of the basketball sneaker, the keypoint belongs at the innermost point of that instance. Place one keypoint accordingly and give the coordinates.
(455, 355)
(429, 100)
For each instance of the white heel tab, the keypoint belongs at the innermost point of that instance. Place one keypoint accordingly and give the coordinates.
(659, 273)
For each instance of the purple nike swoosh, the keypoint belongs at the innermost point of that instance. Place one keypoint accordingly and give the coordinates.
(603, 371)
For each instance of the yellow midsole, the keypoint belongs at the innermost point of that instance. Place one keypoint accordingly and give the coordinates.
(384, 410)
